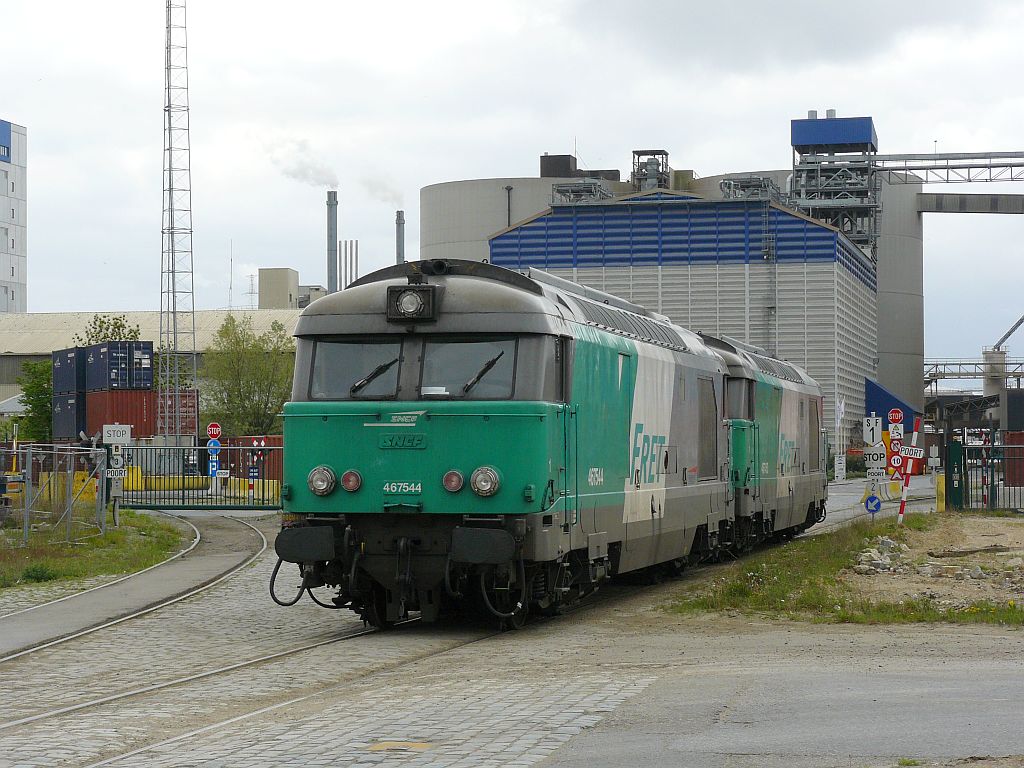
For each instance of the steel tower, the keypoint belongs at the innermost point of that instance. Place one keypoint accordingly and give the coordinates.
(177, 408)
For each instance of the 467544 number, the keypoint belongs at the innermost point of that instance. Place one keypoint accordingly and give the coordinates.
(403, 487)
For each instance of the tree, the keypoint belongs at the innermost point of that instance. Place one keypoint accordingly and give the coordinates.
(106, 328)
(36, 382)
(247, 377)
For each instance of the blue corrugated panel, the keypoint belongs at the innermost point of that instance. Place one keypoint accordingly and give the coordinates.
(68, 371)
(852, 133)
(671, 232)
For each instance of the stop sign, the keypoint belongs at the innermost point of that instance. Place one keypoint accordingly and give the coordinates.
(896, 416)
(213, 430)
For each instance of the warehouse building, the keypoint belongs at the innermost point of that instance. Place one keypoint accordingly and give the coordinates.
(786, 299)
(32, 337)
(748, 269)
(13, 218)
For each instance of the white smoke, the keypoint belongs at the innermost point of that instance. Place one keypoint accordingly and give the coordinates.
(382, 189)
(298, 161)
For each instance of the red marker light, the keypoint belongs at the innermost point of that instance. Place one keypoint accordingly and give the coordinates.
(351, 480)
(452, 481)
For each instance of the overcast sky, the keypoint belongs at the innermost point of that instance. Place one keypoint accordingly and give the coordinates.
(390, 97)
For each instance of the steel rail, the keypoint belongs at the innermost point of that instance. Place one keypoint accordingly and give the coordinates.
(163, 604)
(181, 553)
(187, 679)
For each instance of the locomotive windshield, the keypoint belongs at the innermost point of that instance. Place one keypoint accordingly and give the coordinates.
(344, 370)
(441, 367)
(468, 369)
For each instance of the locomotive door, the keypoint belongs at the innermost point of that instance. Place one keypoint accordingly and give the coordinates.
(570, 489)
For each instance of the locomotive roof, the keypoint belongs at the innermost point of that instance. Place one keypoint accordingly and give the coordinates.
(513, 302)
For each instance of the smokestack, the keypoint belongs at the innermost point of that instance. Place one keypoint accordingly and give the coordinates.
(332, 241)
(399, 237)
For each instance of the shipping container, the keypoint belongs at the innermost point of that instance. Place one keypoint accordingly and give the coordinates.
(68, 371)
(68, 416)
(188, 402)
(122, 406)
(119, 365)
(141, 364)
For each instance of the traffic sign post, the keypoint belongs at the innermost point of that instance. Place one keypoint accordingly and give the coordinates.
(872, 429)
(872, 504)
(912, 454)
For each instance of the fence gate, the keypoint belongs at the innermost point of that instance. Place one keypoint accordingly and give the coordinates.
(985, 476)
(51, 493)
(192, 478)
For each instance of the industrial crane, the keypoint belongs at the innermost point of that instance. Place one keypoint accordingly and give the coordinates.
(1009, 333)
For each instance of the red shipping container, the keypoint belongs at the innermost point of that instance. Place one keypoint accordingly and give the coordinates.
(122, 406)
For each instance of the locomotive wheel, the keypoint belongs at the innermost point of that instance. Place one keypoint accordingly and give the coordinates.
(376, 609)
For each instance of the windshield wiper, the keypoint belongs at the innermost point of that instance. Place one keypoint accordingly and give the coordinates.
(482, 372)
(371, 376)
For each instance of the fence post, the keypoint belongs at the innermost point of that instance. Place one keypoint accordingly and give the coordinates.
(101, 490)
(70, 487)
(27, 490)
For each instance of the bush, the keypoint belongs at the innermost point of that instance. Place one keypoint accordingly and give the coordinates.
(39, 572)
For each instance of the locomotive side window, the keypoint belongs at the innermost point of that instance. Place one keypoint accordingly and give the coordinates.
(468, 369)
(707, 458)
(355, 370)
(739, 397)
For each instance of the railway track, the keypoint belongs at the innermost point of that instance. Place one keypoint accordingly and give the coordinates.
(145, 611)
(197, 537)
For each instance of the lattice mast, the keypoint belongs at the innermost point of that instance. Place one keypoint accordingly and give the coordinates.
(177, 411)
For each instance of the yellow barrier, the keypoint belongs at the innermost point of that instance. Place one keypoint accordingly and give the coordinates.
(238, 488)
(940, 492)
(176, 483)
(54, 490)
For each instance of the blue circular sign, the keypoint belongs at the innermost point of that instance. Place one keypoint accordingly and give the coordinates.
(872, 504)
(213, 446)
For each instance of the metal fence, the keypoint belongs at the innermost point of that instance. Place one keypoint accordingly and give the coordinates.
(51, 493)
(194, 478)
(986, 477)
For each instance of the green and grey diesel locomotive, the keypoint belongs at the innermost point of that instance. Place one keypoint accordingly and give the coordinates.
(463, 434)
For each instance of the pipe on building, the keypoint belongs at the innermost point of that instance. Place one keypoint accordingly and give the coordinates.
(332, 241)
(399, 237)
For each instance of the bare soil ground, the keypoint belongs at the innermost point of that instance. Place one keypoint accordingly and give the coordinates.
(932, 569)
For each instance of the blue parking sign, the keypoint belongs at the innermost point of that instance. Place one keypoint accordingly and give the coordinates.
(214, 466)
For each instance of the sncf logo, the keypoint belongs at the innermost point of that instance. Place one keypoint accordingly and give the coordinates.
(403, 441)
(644, 464)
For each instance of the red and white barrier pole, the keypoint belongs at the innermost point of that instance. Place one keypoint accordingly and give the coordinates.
(909, 471)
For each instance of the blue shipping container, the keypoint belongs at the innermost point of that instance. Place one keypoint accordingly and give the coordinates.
(68, 371)
(106, 366)
(140, 375)
(68, 416)
(119, 365)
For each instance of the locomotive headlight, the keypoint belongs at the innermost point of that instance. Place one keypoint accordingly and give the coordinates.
(322, 480)
(410, 303)
(484, 481)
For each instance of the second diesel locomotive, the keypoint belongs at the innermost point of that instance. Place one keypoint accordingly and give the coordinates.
(459, 433)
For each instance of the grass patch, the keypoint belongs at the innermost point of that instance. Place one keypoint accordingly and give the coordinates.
(800, 580)
(141, 541)
(906, 761)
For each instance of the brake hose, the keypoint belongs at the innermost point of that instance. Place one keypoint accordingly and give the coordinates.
(522, 596)
(273, 580)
